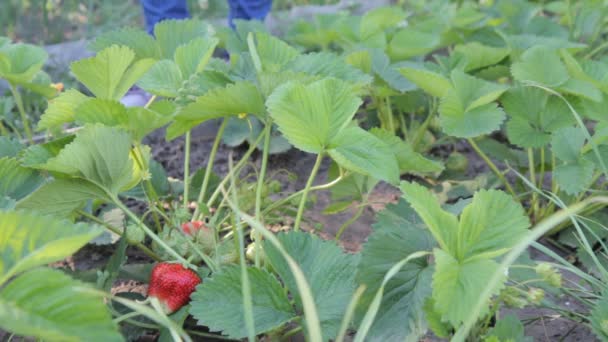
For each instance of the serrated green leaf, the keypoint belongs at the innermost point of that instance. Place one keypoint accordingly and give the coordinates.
(61, 197)
(490, 225)
(433, 83)
(397, 233)
(474, 92)
(61, 109)
(480, 56)
(509, 328)
(138, 40)
(17, 181)
(358, 150)
(23, 62)
(273, 52)
(110, 73)
(100, 155)
(599, 318)
(567, 143)
(36, 156)
(352, 187)
(540, 64)
(234, 99)
(103, 111)
(456, 121)
(328, 270)
(410, 42)
(28, 240)
(192, 57)
(581, 88)
(456, 285)
(380, 19)
(381, 66)
(326, 64)
(311, 115)
(218, 302)
(442, 224)
(164, 78)
(574, 177)
(408, 160)
(9, 147)
(49, 305)
(170, 34)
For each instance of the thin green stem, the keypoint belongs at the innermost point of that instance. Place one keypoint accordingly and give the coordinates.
(294, 195)
(21, 108)
(187, 169)
(237, 167)
(117, 231)
(126, 316)
(259, 189)
(151, 234)
(492, 166)
(209, 168)
(351, 220)
(534, 204)
(311, 179)
(419, 135)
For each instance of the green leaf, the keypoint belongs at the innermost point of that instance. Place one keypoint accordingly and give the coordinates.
(540, 64)
(410, 42)
(36, 156)
(327, 64)
(17, 181)
(170, 34)
(61, 197)
(111, 73)
(409, 161)
(49, 305)
(567, 143)
(397, 233)
(599, 318)
(381, 66)
(218, 302)
(164, 79)
(29, 240)
(192, 57)
(9, 147)
(534, 115)
(457, 285)
(61, 109)
(311, 115)
(138, 40)
(273, 52)
(575, 177)
(490, 225)
(474, 92)
(509, 328)
(433, 83)
(328, 270)
(581, 88)
(456, 121)
(100, 155)
(23, 62)
(480, 56)
(358, 150)
(234, 99)
(442, 224)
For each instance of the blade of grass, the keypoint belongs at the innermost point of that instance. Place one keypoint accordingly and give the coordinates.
(373, 308)
(350, 311)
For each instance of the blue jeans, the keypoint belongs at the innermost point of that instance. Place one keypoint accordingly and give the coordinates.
(158, 10)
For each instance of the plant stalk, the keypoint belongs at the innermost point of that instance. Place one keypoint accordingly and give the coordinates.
(151, 234)
(187, 169)
(492, 166)
(311, 178)
(259, 189)
(214, 148)
(351, 220)
(21, 108)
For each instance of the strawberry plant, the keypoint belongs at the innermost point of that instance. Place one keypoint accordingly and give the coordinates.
(400, 96)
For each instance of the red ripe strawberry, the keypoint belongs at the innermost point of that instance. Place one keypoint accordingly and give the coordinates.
(172, 285)
(190, 228)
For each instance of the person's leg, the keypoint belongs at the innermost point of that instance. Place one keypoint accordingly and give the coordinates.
(248, 9)
(159, 10)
